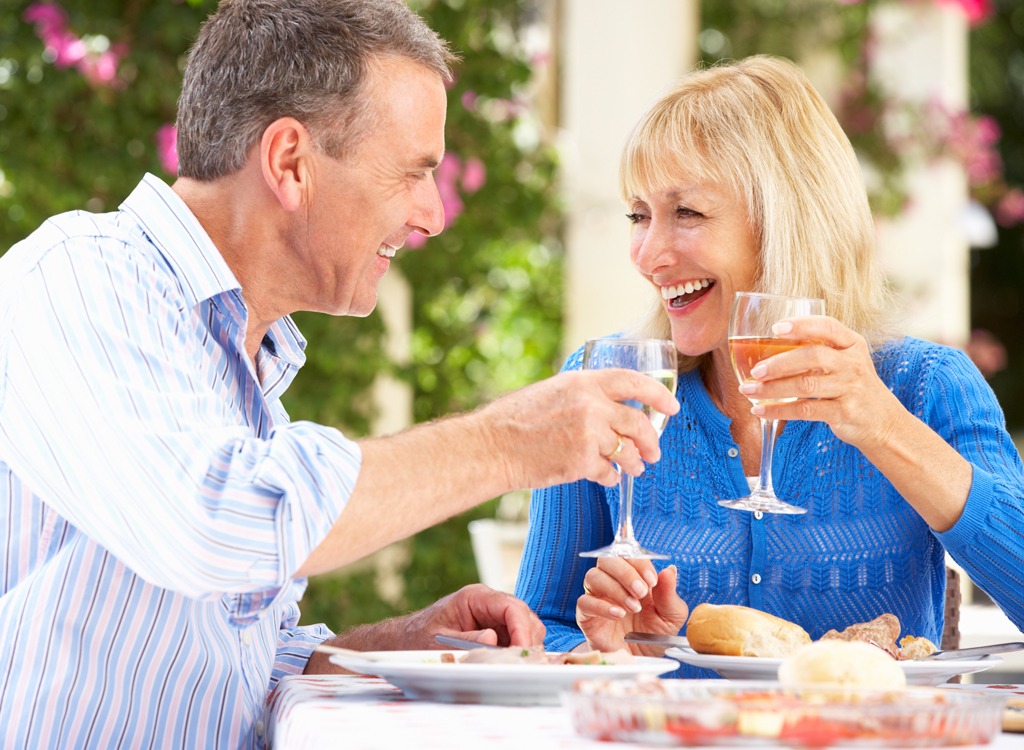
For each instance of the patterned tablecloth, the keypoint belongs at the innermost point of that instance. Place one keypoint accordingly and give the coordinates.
(366, 713)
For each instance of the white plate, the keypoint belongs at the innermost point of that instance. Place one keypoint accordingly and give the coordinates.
(758, 668)
(420, 674)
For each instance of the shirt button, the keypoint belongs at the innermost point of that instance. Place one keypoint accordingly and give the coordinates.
(246, 637)
(758, 515)
(259, 728)
(733, 453)
(756, 578)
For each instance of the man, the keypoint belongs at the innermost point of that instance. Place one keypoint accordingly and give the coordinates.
(160, 513)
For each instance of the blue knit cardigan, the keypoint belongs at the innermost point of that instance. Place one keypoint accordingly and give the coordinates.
(859, 551)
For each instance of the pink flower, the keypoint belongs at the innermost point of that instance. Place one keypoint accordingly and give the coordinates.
(45, 16)
(67, 50)
(468, 99)
(977, 11)
(416, 240)
(474, 175)
(1009, 210)
(166, 138)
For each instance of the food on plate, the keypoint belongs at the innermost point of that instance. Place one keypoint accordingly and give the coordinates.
(537, 655)
(713, 712)
(735, 630)
(839, 663)
(915, 647)
(882, 632)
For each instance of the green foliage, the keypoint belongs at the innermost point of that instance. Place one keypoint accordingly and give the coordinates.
(997, 273)
(486, 293)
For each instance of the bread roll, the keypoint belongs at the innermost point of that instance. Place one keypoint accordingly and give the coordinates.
(842, 664)
(733, 630)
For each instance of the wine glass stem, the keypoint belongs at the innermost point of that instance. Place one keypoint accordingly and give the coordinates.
(625, 531)
(764, 480)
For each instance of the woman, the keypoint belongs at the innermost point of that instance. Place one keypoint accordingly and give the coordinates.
(739, 178)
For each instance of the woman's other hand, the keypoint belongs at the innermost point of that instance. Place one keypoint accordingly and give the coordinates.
(621, 595)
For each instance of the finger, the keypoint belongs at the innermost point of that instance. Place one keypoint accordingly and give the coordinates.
(635, 576)
(621, 593)
(667, 602)
(505, 614)
(485, 637)
(629, 385)
(635, 426)
(820, 328)
(590, 607)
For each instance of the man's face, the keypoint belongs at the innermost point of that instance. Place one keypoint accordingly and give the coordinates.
(364, 205)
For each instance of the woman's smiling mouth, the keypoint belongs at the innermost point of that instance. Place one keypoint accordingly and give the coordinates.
(680, 295)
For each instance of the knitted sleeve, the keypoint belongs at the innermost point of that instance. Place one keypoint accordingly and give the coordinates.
(988, 540)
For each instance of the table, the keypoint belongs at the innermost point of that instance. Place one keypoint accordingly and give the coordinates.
(367, 713)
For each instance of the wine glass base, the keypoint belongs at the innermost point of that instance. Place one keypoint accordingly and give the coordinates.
(765, 504)
(624, 549)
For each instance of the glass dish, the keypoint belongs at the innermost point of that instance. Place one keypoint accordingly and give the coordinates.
(716, 712)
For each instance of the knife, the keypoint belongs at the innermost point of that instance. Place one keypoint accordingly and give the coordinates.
(463, 643)
(658, 639)
(975, 651)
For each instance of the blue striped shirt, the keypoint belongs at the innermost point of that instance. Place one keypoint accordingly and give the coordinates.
(155, 499)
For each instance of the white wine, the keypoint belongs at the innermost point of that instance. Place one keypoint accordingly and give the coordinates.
(668, 379)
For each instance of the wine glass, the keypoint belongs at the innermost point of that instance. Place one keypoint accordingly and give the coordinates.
(750, 340)
(656, 359)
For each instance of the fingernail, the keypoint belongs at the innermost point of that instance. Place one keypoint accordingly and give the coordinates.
(617, 612)
(758, 410)
(651, 577)
(748, 388)
(640, 588)
(782, 328)
(633, 604)
(759, 370)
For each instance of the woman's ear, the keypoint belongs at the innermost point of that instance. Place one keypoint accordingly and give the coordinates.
(286, 150)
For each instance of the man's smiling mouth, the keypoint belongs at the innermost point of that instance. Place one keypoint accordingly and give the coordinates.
(386, 251)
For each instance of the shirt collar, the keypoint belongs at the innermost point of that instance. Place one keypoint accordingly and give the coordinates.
(177, 234)
(195, 261)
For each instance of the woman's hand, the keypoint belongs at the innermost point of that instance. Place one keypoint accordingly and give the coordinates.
(835, 382)
(834, 379)
(620, 596)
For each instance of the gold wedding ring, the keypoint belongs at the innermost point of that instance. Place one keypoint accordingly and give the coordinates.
(618, 449)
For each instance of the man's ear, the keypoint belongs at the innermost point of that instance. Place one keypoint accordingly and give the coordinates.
(285, 152)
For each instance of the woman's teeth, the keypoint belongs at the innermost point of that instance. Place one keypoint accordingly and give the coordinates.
(678, 290)
(386, 251)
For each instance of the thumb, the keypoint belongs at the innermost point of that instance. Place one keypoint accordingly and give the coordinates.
(667, 601)
(486, 637)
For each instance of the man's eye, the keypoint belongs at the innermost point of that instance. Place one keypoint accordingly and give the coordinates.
(635, 218)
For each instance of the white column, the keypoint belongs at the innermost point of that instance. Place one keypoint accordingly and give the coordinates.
(392, 397)
(615, 58)
(922, 56)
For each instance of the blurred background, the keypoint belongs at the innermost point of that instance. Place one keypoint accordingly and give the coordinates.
(534, 257)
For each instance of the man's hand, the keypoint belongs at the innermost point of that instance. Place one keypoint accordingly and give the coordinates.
(474, 612)
(568, 427)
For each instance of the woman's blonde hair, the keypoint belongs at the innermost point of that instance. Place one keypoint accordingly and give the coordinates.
(759, 127)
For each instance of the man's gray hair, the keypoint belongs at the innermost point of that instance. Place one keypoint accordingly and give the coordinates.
(256, 61)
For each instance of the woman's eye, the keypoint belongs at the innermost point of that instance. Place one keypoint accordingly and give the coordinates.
(683, 212)
(635, 218)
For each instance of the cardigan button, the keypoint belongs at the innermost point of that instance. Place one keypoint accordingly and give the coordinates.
(733, 453)
(756, 578)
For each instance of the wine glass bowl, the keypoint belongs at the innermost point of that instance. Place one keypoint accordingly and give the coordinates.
(751, 339)
(656, 359)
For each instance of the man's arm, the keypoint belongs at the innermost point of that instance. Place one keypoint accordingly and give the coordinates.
(558, 430)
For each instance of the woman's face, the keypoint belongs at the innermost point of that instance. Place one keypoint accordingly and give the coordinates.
(694, 243)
